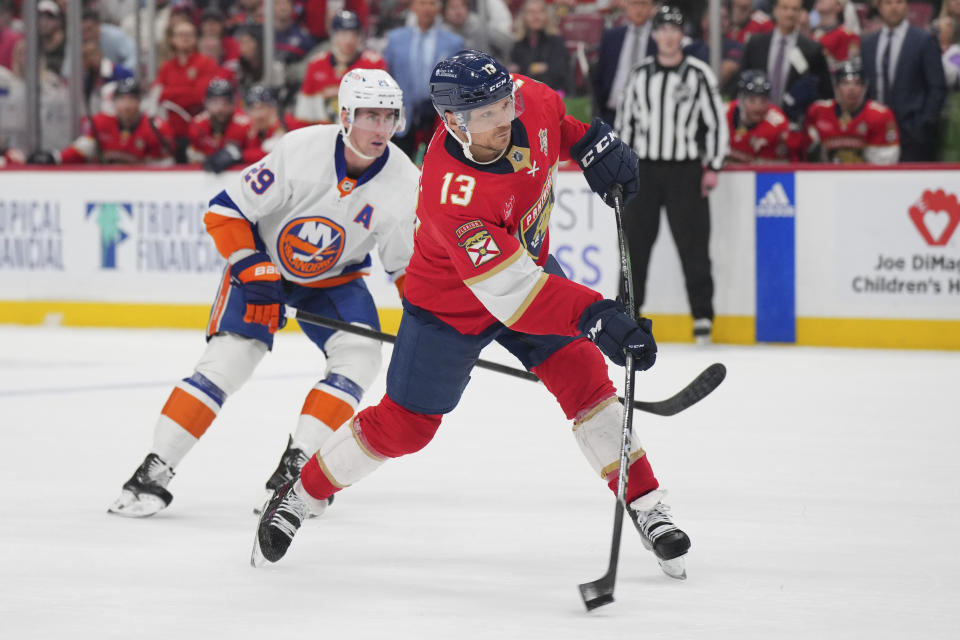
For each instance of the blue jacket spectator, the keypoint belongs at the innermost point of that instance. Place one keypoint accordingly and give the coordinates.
(411, 53)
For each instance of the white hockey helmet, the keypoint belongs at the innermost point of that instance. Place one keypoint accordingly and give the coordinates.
(371, 88)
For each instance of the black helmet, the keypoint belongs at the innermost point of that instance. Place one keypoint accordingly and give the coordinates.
(345, 21)
(753, 82)
(668, 14)
(127, 87)
(260, 94)
(848, 70)
(220, 88)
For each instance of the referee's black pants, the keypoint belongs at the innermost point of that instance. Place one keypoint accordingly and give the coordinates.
(676, 186)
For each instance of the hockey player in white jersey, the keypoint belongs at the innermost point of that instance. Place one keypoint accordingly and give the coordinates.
(297, 229)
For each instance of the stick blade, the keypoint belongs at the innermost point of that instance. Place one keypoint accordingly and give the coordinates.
(597, 593)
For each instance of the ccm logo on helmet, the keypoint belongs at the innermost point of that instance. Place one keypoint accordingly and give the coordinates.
(597, 149)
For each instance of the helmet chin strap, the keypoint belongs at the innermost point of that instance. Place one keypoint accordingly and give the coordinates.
(469, 143)
(345, 134)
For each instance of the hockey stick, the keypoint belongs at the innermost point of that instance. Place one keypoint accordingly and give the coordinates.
(600, 592)
(698, 389)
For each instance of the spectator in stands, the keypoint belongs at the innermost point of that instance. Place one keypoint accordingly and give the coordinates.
(946, 28)
(411, 53)
(620, 49)
(839, 42)
(129, 137)
(214, 23)
(850, 129)
(161, 20)
(317, 100)
(55, 123)
(53, 38)
(539, 52)
(250, 70)
(100, 78)
(266, 127)
(218, 135)
(794, 63)
(758, 128)
(904, 71)
(243, 13)
(731, 51)
(950, 10)
(292, 41)
(493, 36)
(746, 21)
(318, 14)
(182, 81)
(113, 42)
(9, 36)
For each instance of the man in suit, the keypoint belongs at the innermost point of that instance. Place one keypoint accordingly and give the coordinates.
(411, 53)
(794, 63)
(620, 49)
(904, 71)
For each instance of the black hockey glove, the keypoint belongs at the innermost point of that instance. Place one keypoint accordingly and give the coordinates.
(223, 159)
(606, 160)
(615, 333)
(41, 157)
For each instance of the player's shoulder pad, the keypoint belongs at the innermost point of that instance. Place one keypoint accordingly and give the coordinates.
(371, 56)
(822, 104)
(878, 107)
(775, 116)
(318, 58)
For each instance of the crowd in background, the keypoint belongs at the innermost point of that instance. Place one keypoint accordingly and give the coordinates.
(213, 102)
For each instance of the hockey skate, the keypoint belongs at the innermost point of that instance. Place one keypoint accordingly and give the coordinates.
(281, 518)
(291, 462)
(145, 493)
(658, 533)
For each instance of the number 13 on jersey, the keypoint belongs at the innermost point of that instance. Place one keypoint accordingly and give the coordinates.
(463, 189)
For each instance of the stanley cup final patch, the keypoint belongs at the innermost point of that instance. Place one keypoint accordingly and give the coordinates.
(477, 242)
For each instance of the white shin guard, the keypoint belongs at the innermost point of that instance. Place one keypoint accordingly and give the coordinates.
(599, 433)
(346, 458)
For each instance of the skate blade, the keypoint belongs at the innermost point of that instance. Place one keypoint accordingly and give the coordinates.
(129, 505)
(257, 559)
(675, 568)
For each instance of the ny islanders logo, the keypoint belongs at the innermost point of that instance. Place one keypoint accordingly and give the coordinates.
(310, 246)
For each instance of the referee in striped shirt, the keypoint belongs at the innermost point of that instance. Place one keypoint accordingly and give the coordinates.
(672, 116)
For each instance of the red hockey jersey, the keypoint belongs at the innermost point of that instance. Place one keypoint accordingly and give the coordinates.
(846, 138)
(759, 22)
(766, 141)
(103, 140)
(204, 141)
(317, 101)
(839, 42)
(185, 85)
(483, 236)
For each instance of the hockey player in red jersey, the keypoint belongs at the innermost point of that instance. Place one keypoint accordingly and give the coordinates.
(129, 137)
(745, 21)
(217, 135)
(758, 128)
(316, 101)
(839, 43)
(850, 129)
(297, 228)
(481, 272)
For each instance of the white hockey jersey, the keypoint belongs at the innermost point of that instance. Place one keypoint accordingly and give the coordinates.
(316, 224)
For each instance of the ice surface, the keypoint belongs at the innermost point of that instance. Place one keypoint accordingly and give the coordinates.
(820, 487)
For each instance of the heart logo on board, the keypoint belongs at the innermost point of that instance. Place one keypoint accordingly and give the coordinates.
(936, 216)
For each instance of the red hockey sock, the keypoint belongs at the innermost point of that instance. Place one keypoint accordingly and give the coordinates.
(640, 479)
(315, 481)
